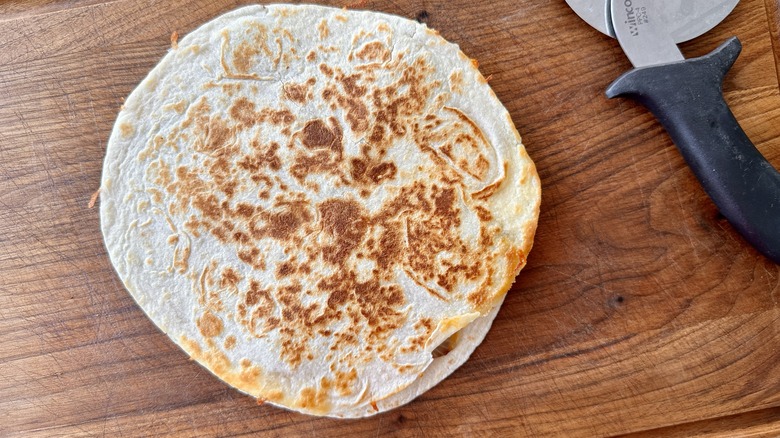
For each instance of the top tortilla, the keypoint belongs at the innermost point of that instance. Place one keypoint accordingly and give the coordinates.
(309, 200)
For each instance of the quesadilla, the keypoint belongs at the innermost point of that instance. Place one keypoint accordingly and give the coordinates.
(309, 201)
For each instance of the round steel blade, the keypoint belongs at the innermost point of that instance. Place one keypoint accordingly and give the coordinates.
(685, 19)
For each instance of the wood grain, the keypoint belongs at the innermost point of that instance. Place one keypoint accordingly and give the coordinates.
(640, 311)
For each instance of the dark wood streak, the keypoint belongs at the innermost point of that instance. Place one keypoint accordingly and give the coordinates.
(691, 348)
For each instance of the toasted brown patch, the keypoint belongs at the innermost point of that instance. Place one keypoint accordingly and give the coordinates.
(373, 51)
(209, 325)
(126, 129)
(317, 134)
(323, 28)
(456, 81)
(300, 93)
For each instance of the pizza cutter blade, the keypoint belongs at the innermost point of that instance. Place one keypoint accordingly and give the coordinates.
(686, 96)
(687, 19)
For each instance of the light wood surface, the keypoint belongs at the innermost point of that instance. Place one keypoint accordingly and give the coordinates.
(640, 310)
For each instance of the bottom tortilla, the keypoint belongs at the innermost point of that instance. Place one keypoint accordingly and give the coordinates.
(441, 367)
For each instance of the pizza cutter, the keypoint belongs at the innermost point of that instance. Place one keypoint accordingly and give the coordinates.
(686, 96)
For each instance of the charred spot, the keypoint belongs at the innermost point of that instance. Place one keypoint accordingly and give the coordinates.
(390, 246)
(298, 92)
(243, 111)
(208, 205)
(483, 214)
(377, 134)
(364, 171)
(245, 210)
(252, 257)
(285, 269)
(242, 56)
(358, 169)
(444, 202)
(281, 117)
(382, 171)
(217, 134)
(317, 135)
(357, 113)
(373, 51)
(209, 325)
(263, 156)
(422, 16)
(241, 237)
(345, 221)
(322, 161)
(229, 278)
(255, 294)
(326, 69)
(351, 87)
(282, 222)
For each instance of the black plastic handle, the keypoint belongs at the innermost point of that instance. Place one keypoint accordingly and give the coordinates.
(687, 98)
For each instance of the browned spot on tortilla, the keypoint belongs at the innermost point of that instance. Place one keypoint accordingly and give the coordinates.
(283, 221)
(284, 270)
(357, 113)
(181, 257)
(456, 81)
(299, 92)
(279, 117)
(126, 129)
(322, 27)
(373, 51)
(243, 111)
(247, 49)
(252, 257)
(174, 40)
(326, 69)
(230, 342)
(310, 398)
(425, 327)
(345, 381)
(345, 221)
(363, 171)
(351, 87)
(230, 278)
(242, 56)
(263, 156)
(209, 325)
(255, 294)
(316, 135)
(179, 106)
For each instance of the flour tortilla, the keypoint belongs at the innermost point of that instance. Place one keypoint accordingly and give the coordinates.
(309, 200)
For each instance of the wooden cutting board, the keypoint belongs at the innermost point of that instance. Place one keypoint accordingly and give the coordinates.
(640, 308)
